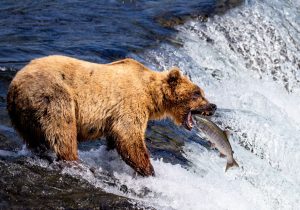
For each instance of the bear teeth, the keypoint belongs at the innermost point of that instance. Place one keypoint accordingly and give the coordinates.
(190, 120)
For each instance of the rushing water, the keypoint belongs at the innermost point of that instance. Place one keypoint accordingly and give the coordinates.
(248, 62)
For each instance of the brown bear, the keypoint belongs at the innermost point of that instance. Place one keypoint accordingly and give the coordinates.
(56, 101)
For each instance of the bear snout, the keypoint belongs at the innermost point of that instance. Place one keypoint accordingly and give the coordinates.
(213, 107)
(206, 110)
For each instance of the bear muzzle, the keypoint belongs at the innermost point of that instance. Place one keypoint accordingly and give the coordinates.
(206, 110)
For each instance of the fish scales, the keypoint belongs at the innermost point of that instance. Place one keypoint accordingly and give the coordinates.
(217, 137)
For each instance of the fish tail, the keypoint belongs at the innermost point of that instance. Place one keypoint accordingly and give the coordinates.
(231, 164)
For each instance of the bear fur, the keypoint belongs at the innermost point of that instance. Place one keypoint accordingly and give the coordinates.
(56, 101)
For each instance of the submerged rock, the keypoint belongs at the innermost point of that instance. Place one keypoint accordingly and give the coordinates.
(166, 140)
(28, 186)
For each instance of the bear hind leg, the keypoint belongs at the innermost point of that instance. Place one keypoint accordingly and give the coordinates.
(61, 136)
(58, 124)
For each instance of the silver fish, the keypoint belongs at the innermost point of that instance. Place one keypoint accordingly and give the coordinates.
(217, 137)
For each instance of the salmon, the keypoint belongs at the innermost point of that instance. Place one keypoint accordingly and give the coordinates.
(217, 137)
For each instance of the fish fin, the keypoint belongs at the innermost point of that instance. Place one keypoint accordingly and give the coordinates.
(235, 163)
(222, 155)
(227, 133)
(229, 165)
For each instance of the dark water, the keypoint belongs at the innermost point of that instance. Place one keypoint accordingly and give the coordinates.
(93, 30)
(99, 31)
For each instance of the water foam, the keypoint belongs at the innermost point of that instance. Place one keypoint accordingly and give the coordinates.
(203, 186)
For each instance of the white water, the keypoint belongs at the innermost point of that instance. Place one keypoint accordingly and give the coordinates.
(247, 61)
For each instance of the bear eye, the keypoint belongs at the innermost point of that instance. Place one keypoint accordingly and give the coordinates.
(196, 95)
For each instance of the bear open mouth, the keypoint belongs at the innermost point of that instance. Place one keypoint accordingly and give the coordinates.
(188, 122)
(206, 110)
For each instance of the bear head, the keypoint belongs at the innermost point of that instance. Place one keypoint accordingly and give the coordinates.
(184, 98)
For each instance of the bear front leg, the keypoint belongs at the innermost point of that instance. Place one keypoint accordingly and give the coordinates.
(131, 146)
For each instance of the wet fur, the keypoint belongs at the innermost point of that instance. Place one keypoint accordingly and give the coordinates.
(56, 101)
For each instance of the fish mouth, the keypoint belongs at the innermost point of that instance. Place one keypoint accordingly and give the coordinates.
(189, 122)
(206, 110)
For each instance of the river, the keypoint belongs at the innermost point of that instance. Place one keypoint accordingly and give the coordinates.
(245, 55)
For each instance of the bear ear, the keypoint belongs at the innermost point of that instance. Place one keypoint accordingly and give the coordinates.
(173, 76)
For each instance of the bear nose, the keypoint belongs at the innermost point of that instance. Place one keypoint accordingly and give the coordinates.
(213, 107)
